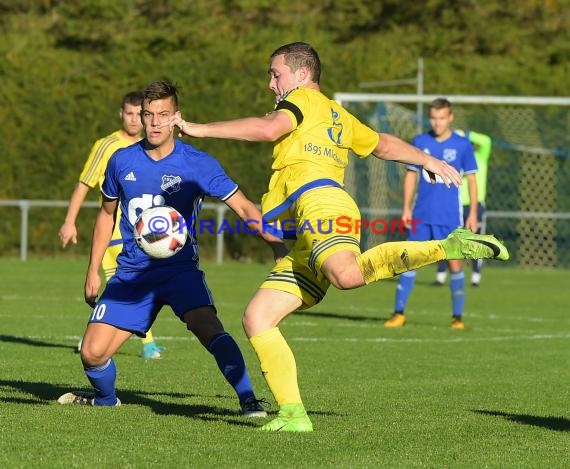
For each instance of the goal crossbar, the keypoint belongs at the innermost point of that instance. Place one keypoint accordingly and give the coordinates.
(465, 99)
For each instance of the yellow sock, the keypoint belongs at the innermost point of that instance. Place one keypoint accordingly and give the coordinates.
(149, 338)
(390, 259)
(277, 365)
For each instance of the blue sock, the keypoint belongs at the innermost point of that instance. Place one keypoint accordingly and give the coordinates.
(457, 284)
(231, 364)
(102, 378)
(405, 287)
(442, 266)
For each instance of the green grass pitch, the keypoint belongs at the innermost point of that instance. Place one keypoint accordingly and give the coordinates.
(494, 395)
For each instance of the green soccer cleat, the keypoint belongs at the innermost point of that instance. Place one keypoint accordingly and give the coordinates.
(464, 244)
(291, 418)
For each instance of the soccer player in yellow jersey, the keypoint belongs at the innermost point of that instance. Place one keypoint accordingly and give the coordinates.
(313, 136)
(93, 174)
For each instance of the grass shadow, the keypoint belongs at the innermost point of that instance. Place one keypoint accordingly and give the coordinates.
(325, 314)
(47, 394)
(33, 342)
(559, 424)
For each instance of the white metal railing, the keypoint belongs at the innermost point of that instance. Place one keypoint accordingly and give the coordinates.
(221, 210)
(25, 206)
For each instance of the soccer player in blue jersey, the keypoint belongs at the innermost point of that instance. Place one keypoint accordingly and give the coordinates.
(482, 145)
(438, 207)
(159, 170)
(92, 175)
(312, 136)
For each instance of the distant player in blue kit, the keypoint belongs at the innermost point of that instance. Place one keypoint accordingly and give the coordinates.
(437, 206)
(159, 170)
(482, 145)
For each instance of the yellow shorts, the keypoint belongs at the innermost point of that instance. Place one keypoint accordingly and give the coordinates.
(325, 224)
(109, 262)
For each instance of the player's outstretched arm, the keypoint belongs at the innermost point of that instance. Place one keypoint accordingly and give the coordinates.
(68, 230)
(250, 214)
(102, 233)
(268, 128)
(392, 148)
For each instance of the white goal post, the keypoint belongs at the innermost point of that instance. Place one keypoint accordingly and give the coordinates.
(528, 201)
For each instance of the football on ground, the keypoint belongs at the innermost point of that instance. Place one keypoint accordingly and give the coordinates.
(160, 231)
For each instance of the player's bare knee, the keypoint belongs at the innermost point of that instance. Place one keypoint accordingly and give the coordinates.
(250, 322)
(256, 320)
(341, 282)
(342, 271)
(92, 357)
(345, 279)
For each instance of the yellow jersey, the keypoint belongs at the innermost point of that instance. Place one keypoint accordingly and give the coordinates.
(94, 170)
(315, 153)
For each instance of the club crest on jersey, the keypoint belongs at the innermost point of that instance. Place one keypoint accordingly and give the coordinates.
(170, 183)
(335, 132)
(449, 154)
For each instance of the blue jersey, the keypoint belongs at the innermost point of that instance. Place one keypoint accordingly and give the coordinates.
(436, 204)
(180, 180)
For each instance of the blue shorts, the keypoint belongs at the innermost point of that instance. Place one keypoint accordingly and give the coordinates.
(131, 301)
(427, 232)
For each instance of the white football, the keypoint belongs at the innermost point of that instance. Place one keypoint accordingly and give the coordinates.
(160, 231)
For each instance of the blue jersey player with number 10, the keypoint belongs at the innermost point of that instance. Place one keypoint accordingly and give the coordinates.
(159, 170)
(438, 207)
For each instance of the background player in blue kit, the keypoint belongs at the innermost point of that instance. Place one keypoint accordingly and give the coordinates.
(159, 170)
(482, 145)
(438, 207)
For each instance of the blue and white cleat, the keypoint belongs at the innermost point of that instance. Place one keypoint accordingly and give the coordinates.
(152, 351)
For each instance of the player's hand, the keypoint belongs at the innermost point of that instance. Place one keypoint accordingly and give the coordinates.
(67, 232)
(448, 174)
(472, 223)
(407, 218)
(185, 128)
(92, 286)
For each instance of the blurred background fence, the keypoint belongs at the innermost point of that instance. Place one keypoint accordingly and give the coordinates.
(528, 193)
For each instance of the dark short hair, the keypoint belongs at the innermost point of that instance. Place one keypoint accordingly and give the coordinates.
(301, 54)
(440, 103)
(161, 89)
(134, 98)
